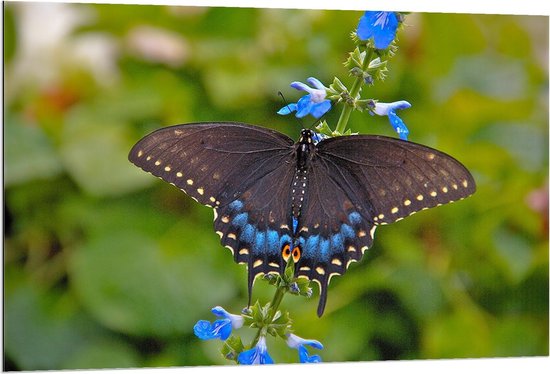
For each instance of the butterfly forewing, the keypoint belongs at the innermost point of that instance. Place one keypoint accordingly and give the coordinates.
(211, 162)
(399, 177)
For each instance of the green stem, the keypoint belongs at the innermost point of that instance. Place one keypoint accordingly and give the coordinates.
(354, 91)
(273, 306)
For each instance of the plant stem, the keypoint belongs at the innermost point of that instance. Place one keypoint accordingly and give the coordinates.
(354, 91)
(273, 306)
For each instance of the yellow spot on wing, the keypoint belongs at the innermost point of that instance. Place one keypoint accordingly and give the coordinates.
(257, 263)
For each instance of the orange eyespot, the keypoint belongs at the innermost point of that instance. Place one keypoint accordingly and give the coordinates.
(286, 252)
(296, 254)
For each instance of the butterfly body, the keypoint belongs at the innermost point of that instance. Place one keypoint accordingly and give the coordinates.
(317, 201)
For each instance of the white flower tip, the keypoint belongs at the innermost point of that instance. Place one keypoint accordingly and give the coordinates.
(316, 83)
(300, 86)
(382, 109)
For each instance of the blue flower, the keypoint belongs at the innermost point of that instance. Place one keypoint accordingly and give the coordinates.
(295, 342)
(220, 328)
(388, 109)
(256, 355)
(237, 321)
(313, 103)
(381, 26)
(316, 137)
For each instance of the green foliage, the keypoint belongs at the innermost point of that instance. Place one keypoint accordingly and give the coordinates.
(107, 267)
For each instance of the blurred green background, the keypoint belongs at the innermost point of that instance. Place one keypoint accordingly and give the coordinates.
(106, 266)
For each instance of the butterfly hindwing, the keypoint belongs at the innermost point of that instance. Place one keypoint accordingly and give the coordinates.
(257, 224)
(334, 228)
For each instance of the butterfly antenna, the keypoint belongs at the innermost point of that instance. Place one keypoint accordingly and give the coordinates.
(286, 105)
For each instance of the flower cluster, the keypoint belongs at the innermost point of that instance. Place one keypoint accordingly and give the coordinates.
(257, 354)
(374, 37)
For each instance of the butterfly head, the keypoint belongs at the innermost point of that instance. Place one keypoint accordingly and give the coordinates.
(306, 136)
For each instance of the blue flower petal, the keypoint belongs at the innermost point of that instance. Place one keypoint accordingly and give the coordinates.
(219, 329)
(316, 83)
(319, 109)
(313, 103)
(398, 125)
(287, 109)
(316, 137)
(304, 106)
(237, 321)
(381, 26)
(203, 330)
(305, 358)
(294, 341)
(256, 355)
(300, 86)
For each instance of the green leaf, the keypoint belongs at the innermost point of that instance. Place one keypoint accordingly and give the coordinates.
(515, 251)
(29, 154)
(43, 329)
(103, 354)
(97, 156)
(463, 333)
(133, 285)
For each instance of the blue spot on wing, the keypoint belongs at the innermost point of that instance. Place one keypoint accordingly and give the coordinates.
(247, 235)
(236, 205)
(272, 242)
(347, 231)
(337, 243)
(310, 249)
(354, 218)
(324, 249)
(259, 242)
(240, 220)
(285, 239)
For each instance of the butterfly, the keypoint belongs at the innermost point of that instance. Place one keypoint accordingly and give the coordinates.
(316, 200)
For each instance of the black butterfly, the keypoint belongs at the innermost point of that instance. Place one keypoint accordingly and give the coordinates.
(319, 202)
